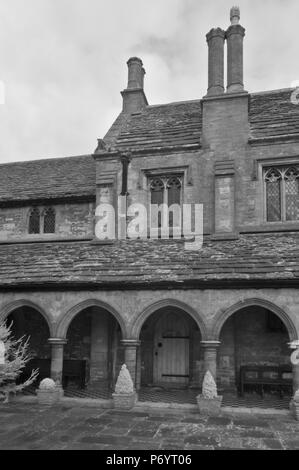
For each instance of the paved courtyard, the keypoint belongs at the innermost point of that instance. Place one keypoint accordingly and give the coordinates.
(28, 426)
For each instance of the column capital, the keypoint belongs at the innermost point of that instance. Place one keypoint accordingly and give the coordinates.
(294, 344)
(57, 341)
(134, 343)
(210, 344)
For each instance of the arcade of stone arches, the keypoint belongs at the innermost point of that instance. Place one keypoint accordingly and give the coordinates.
(168, 347)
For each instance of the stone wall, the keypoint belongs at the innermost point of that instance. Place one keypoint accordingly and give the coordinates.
(225, 138)
(72, 220)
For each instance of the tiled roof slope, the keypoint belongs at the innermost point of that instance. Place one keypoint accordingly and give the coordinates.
(48, 178)
(174, 124)
(273, 114)
(147, 262)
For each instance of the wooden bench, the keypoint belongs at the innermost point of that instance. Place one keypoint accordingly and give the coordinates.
(73, 369)
(277, 377)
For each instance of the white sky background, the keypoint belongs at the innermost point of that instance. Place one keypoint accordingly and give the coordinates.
(63, 62)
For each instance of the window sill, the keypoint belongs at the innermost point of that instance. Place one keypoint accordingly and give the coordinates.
(41, 239)
(270, 227)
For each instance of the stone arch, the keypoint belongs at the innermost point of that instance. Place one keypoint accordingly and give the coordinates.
(223, 315)
(148, 311)
(64, 323)
(9, 308)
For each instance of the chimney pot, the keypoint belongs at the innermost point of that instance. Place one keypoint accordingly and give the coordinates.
(136, 73)
(235, 15)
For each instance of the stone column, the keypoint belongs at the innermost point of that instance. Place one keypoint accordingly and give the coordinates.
(131, 346)
(295, 365)
(57, 345)
(138, 370)
(215, 40)
(210, 356)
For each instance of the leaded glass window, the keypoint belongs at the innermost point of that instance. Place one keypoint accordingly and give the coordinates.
(167, 190)
(282, 193)
(49, 220)
(34, 221)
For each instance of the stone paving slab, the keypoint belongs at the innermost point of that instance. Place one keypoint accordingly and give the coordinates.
(31, 427)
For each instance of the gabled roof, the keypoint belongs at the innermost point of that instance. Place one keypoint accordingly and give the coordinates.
(156, 128)
(169, 125)
(263, 257)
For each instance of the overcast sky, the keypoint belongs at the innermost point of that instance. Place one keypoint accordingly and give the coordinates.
(63, 62)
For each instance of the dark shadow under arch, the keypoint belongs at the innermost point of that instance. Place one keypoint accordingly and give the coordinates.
(64, 323)
(254, 302)
(12, 306)
(148, 311)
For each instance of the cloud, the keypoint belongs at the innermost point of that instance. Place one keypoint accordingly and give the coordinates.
(63, 62)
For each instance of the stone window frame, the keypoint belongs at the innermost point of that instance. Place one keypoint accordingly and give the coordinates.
(42, 210)
(281, 172)
(260, 166)
(183, 172)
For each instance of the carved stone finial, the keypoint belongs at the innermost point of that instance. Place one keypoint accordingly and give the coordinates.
(101, 145)
(235, 15)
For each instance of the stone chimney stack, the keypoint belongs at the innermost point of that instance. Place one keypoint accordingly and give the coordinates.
(235, 35)
(136, 73)
(215, 40)
(134, 98)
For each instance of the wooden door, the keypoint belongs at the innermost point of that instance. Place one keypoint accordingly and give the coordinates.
(171, 351)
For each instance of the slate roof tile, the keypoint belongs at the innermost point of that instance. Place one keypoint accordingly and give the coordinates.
(47, 178)
(254, 257)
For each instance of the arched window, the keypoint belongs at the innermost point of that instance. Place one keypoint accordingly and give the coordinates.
(282, 194)
(174, 197)
(49, 220)
(157, 187)
(273, 195)
(34, 220)
(291, 178)
(166, 190)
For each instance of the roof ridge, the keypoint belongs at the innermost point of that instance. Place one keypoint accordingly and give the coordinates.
(44, 159)
(174, 103)
(198, 100)
(268, 92)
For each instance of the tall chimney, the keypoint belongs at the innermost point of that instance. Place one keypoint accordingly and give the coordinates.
(235, 35)
(134, 98)
(215, 40)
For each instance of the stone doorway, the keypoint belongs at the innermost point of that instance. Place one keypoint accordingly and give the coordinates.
(170, 352)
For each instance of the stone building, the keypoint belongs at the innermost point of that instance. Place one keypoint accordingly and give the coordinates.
(168, 312)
